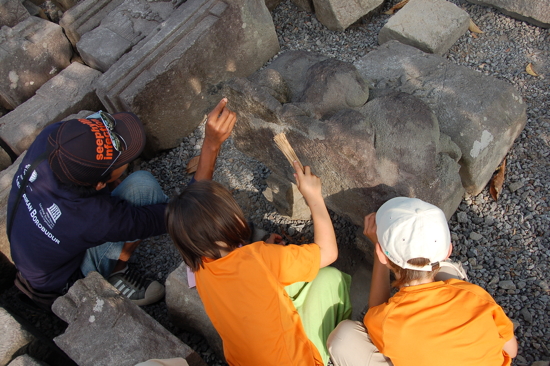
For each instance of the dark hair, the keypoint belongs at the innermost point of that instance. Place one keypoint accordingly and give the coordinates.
(404, 275)
(202, 215)
(84, 190)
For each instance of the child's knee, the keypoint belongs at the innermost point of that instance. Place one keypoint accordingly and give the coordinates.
(338, 342)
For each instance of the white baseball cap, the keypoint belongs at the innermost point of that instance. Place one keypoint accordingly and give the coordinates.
(410, 228)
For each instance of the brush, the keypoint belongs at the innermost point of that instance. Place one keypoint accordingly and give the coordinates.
(283, 145)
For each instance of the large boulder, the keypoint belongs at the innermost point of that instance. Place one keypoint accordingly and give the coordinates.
(481, 114)
(108, 329)
(186, 309)
(69, 92)
(170, 79)
(430, 25)
(12, 337)
(536, 12)
(33, 52)
(364, 153)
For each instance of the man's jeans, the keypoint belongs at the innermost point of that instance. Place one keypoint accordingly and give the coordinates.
(140, 189)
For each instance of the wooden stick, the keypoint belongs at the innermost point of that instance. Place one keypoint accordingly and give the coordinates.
(283, 145)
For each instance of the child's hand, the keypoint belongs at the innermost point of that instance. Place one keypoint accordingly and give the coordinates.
(308, 183)
(219, 124)
(370, 228)
(275, 239)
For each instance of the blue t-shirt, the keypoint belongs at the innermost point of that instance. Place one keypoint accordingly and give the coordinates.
(54, 226)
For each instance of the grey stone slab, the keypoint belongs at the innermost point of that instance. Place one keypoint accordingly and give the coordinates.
(102, 47)
(6, 177)
(85, 16)
(31, 53)
(481, 114)
(171, 78)
(186, 309)
(12, 12)
(12, 337)
(122, 29)
(105, 328)
(69, 92)
(430, 25)
(536, 12)
(339, 14)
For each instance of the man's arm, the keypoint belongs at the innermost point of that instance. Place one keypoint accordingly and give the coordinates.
(380, 281)
(309, 186)
(219, 125)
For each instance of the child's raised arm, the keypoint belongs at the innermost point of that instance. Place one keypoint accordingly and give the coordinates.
(310, 187)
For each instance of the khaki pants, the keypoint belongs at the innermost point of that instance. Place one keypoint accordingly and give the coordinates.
(350, 345)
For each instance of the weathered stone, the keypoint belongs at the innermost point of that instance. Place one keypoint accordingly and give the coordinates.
(34, 9)
(64, 5)
(6, 178)
(121, 30)
(332, 85)
(69, 92)
(305, 5)
(507, 285)
(31, 53)
(272, 4)
(293, 66)
(338, 14)
(430, 25)
(287, 198)
(481, 114)
(85, 16)
(5, 159)
(186, 309)
(536, 12)
(12, 12)
(12, 337)
(170, 80)
(26, 360)
(359, 172)
(108, 329)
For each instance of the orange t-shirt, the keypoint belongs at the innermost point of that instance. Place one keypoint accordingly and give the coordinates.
(441, 323)
(244, 296)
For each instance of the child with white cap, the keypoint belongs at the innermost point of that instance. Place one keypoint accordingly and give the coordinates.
(436, 317)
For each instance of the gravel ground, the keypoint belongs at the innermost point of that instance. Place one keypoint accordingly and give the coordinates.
(504, 245)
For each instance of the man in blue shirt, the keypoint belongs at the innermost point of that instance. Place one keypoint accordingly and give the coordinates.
(68, 223)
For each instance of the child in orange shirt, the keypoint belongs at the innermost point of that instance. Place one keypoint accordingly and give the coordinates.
(434, 319)
(271, 304)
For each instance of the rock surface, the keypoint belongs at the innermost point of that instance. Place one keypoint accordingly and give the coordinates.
(169, 80)
(481, 114)
(107, 329)
(187, 311)
(339, 14)
(364, 151)
(429, 25)
(12, 12)
(71, 91)
(12, 337)
(33, 52)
